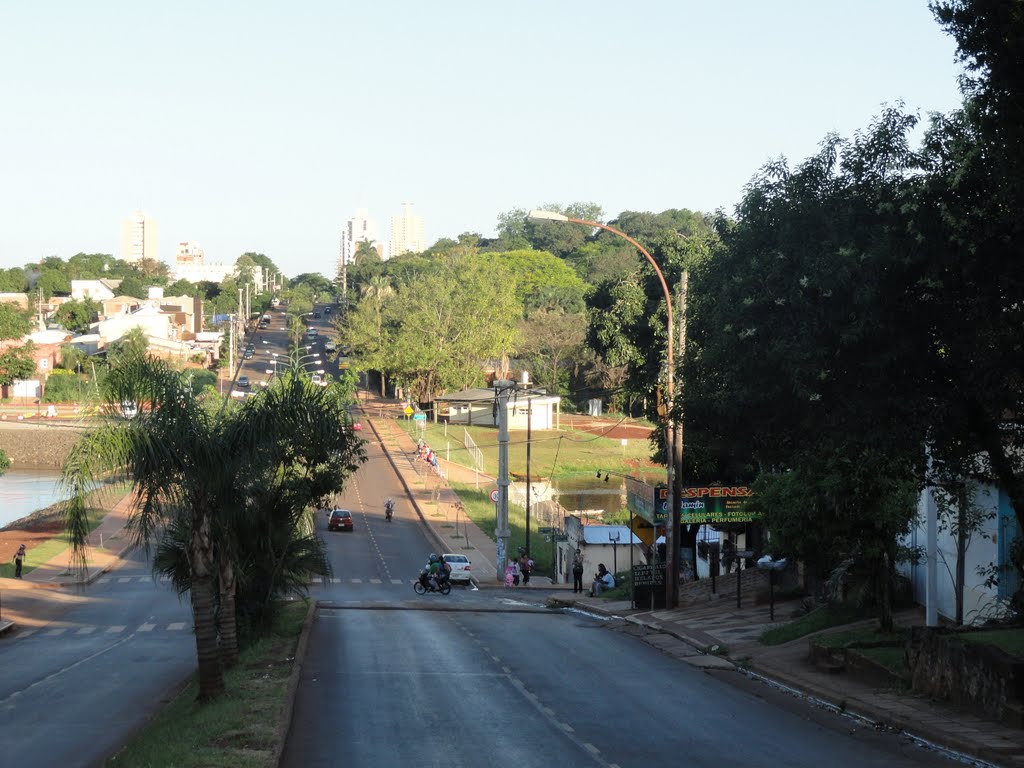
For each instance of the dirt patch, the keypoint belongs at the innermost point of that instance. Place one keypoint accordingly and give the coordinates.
(37, 528)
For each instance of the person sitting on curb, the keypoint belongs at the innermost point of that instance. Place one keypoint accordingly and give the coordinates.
(602, 580)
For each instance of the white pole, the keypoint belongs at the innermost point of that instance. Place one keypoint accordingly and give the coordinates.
(931, 607)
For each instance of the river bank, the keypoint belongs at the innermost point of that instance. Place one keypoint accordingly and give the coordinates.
(38, 444)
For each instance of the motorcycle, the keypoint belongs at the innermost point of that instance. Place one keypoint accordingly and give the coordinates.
(423, 585)
(389, 511)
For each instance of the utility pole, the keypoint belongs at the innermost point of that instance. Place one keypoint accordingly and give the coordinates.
(529, 480)
(231, 348)
(502, 388)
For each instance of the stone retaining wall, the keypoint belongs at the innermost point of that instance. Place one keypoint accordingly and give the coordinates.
(38, 444)
(949, 668)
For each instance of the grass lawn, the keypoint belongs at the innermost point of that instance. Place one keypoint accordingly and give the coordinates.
(238, 730)
(553, 453)
(1009, 640)
(821, 618)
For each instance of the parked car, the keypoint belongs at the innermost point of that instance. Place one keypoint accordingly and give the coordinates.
(461, 567)
(340, 520)
(243, 382)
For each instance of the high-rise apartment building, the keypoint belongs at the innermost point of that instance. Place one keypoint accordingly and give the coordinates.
(139, 238)
(357, 229)
(407, 232)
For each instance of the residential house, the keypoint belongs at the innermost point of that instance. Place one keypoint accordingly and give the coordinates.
(614, 545)
(97, 290)
(476, 407)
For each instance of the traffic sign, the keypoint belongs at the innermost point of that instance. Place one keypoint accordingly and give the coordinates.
(408, 410)
(494, 495)
(419, 417)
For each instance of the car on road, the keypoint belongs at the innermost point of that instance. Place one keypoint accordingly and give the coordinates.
(247, 355)
(340, 520)
(317, 316)
(461, 567)
(243, 382)
(319, 378)
(311, 333)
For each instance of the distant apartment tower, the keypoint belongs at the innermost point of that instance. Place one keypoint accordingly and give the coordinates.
(357, 229)
(139, 238)
(407, 232)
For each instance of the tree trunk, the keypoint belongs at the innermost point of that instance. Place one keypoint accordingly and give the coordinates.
(883, 591)
(203, 594)
(383, 385)
(961, 551)
(226, 619)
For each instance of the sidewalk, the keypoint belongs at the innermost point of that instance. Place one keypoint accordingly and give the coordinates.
(714, 635)
(107, 544)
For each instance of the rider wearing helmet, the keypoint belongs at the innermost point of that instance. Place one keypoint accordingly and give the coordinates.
(389, 508)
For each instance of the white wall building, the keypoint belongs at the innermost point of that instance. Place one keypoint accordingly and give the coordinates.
(139, 238)
(407, 233)
(989, 546)
(356, 230)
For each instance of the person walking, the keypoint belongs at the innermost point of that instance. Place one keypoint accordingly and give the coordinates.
(577, 573)
(19, 560)
(525, 566)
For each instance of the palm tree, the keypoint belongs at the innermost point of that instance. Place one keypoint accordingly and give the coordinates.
(365, 251)
(198, 470)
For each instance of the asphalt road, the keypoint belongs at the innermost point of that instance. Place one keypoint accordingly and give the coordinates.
(486, 678)
(75, 687)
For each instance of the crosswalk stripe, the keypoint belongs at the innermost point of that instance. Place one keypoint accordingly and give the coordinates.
(104, 580)
(116, 628)
(375, 581)
(356, 581)
(175, 625)
(55, 632)
(146, 628)
(86, 631)
(124, 579)
(397, 581)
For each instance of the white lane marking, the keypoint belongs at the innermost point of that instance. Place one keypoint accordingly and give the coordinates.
(104, 580)
(146, 628)
(115, 629)
(55, 632)
(397, 581)
(126, 579)
(86, 631)
(377, 581)
(356, 581)
(176, 625)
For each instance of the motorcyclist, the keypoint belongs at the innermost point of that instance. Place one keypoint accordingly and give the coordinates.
(389, 508)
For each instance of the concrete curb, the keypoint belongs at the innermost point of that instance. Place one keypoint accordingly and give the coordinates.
(284, 725)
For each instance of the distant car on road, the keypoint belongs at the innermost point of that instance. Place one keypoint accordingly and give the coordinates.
(340, 520)
(243, 382)
(311, 333)
(247, 355)
(317, 316)
(461, 567)
(320, 379)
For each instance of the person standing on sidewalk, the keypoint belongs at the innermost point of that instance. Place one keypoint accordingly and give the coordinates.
(577, 573)
(525, 566)
(19, 560)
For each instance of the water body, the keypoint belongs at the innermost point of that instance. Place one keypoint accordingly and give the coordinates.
(23, 491)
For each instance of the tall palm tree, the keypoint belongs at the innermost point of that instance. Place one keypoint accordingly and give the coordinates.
(196, 470)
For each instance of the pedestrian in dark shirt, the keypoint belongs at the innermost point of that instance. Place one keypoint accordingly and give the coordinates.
(19, 560)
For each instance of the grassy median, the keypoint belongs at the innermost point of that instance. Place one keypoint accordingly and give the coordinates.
(242, 728)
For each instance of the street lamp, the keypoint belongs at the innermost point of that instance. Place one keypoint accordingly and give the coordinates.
(672, 518)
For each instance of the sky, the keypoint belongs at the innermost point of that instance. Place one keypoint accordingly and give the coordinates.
(263, 126)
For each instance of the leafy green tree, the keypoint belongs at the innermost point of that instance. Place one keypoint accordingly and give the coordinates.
(13, 280)
(541, 280)
(366, 251)
(182, 288)
(198, 470)
(365, 329)
(14, 321)
(53, 282)
(131, 345)
(17, 363)
(77, 316)
(964, 270)
(132, 286)
(90, 266)
(548, 340)
(447, 323)
(793, 366)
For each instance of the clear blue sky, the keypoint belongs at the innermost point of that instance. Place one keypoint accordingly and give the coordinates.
(262, 126)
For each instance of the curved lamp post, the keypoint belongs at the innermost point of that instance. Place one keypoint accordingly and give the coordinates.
(672, 518)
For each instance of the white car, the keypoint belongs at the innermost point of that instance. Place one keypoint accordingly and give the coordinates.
(461, 567)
